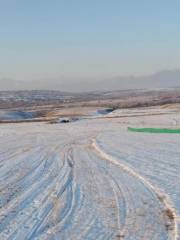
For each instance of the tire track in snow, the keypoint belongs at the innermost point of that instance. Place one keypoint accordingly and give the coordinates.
(134, 221)
(24, 201)
(169, 210)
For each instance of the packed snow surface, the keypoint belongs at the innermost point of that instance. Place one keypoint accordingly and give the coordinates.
(15, 115)
(90, 179)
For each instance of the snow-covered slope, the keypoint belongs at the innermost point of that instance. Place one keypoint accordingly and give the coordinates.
(89, 179)
(15, 115)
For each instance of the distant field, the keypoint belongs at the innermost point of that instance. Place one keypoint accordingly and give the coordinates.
(43, 100)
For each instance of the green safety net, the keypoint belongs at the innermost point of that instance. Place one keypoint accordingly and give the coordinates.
(154, 130)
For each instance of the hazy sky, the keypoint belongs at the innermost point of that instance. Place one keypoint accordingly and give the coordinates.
(88, 38)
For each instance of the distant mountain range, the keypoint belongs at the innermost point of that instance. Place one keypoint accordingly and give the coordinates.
(163, 79)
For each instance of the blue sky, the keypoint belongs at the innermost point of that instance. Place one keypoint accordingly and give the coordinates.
(88, 38)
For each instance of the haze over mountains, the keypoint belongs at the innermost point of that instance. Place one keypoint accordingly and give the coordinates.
(163, 79)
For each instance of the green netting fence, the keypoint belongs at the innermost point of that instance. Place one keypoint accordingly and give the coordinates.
(154, 130)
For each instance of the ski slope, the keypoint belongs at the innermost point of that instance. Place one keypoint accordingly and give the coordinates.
(90, 179)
